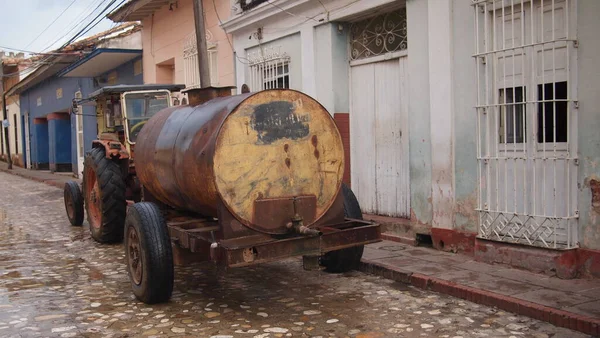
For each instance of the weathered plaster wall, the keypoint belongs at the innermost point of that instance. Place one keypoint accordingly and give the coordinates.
(589, 123)
(419, 115)
(465, 94)
(165, 32)
(51, 104)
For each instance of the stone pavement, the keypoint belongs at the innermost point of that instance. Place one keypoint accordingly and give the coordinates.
(44, 176)
(55, 281)
(571, 303)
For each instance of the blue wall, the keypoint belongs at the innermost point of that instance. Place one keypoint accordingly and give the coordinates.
(64, 132)
(46, 90)
(40, 144)
(59, 133)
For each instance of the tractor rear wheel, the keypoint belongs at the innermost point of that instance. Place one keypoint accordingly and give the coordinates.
(345, 259)
(148, 253)
(73, 203)
(104, 193)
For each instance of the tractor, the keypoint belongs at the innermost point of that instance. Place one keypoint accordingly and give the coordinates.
(109, 177)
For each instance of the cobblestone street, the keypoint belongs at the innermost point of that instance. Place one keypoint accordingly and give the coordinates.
(55, 281)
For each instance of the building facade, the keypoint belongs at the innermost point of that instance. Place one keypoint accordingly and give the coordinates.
(12, 64)
(470, 124)
(169, 40)
(56, 137)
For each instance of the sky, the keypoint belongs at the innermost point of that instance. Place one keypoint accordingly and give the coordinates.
(23, 20)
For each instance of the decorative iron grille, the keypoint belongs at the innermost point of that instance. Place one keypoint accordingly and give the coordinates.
(190, 61)
(269, 69)
(526, 114)
(378, 35)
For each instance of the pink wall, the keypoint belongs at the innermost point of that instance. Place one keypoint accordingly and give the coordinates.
(164, 36)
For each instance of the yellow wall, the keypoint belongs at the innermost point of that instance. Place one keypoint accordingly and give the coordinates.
(164, 35)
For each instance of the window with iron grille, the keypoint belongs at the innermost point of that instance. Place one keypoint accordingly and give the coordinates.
(269, 69)
(190, 63)
(525, 52)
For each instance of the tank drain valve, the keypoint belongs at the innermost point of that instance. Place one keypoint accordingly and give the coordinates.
(297, 226)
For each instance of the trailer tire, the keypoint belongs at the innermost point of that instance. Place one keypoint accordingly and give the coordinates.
(104, 192)
(73, 203)
(148, 253)
(345, 259)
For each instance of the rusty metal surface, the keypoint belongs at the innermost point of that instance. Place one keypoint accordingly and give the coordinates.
(260, 249)
(197, 158)
(277, 144)
(113, 149)
(193, 234)
(197, 96)
(274, 213)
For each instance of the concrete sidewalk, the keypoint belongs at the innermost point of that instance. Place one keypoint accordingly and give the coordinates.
(573, 304)
(55, 179)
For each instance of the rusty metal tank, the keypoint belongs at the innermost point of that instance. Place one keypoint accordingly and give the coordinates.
(252, 152)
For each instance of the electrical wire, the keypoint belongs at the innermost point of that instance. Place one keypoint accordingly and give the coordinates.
(286, 11)
(93, 23)
(78, 21)
(227, 36)
(103, 14)
(281, 29)
(53, 21)
(32, 52)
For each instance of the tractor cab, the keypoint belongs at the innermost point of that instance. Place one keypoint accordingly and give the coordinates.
(122, 111)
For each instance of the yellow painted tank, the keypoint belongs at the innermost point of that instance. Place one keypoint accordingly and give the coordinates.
(255, 153)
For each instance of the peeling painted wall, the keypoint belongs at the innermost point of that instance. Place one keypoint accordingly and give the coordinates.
(465, 97)
(588, 52)
(419, 120)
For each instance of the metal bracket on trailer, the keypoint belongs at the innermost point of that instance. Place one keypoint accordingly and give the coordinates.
(258, 249)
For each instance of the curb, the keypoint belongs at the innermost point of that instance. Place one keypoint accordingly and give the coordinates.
(54, 183)
(569, 320)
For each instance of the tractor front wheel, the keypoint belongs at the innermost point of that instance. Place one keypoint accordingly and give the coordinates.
(104, 193)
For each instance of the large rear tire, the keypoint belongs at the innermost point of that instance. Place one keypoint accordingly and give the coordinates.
(73, 203)
(346, 259)
(148, 253)
(104, 193)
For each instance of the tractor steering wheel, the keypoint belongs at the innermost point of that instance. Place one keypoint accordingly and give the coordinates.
(137, 126)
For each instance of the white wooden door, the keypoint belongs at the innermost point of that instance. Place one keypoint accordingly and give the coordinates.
(27, 141)
(379, 137)
(80, 139)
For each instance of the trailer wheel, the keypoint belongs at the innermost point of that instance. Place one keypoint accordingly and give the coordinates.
(346, 259)
(148, 253)
(73, 203)
(104, 193)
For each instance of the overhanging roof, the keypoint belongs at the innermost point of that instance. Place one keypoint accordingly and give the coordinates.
(136, 10)
(100, 61)
(51, 66)
(129, 88)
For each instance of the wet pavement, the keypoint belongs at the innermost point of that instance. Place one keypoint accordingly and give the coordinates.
(55, 281)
